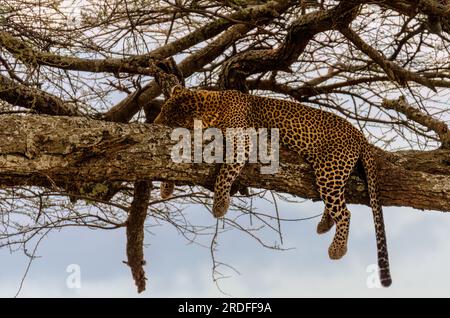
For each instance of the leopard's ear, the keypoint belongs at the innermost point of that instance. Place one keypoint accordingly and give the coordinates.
(177, 89)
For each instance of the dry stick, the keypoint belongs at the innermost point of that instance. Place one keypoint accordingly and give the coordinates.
(32, 258)
(439, 127)
(135, 232)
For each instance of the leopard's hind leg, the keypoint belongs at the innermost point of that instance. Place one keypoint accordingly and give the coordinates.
(332, 172)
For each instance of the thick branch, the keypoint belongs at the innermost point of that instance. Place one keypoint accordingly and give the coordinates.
(238, 68)
(37, 148)
(39, 101)
(439, 127)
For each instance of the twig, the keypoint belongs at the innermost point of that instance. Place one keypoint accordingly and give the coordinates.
(32, 257)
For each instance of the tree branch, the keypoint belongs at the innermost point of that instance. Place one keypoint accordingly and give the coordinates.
(439, 127)
(238, 68)
(36, 148)
(412, 7)
(138, 64)
(129, 106)
(430, 8)
(135, 232)
(25, 53)
(393, 71)
(34, 99)
(302, 92)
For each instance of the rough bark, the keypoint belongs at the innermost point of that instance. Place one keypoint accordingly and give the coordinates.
(36, 149)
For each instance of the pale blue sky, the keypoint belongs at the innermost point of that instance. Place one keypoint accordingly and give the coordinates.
(419, 245)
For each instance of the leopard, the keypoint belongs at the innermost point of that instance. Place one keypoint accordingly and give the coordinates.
(329, 143)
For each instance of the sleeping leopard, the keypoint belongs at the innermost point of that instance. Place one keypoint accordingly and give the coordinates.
(328, 142)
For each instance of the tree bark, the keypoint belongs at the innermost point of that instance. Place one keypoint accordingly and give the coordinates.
(40, 150)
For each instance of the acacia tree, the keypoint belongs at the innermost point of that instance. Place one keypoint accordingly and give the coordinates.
(80, 84)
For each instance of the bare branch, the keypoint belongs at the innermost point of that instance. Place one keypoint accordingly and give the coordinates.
(28, 55)
(138, 64)
(128, 107)
(393, 71)
(34, 99)
(402, 106)
(238, 68)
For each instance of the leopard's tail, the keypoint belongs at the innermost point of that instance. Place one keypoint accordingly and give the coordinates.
(370, 168)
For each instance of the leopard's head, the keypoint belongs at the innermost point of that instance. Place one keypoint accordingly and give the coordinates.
(179, 110)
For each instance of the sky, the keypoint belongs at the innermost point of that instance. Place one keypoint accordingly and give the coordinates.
(419, 245)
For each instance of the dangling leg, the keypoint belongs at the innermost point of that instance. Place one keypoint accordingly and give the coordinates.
(333, 196)
(227, 174)
(326, 222)
(341, 217)
(230, 171)
(331, 186)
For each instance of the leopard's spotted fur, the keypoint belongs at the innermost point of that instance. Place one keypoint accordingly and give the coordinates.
(328, 142)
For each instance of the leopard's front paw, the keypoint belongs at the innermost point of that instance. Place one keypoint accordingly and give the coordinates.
(220, 206)
(166, 189)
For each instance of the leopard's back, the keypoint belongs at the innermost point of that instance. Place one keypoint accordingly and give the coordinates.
(303, 128)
